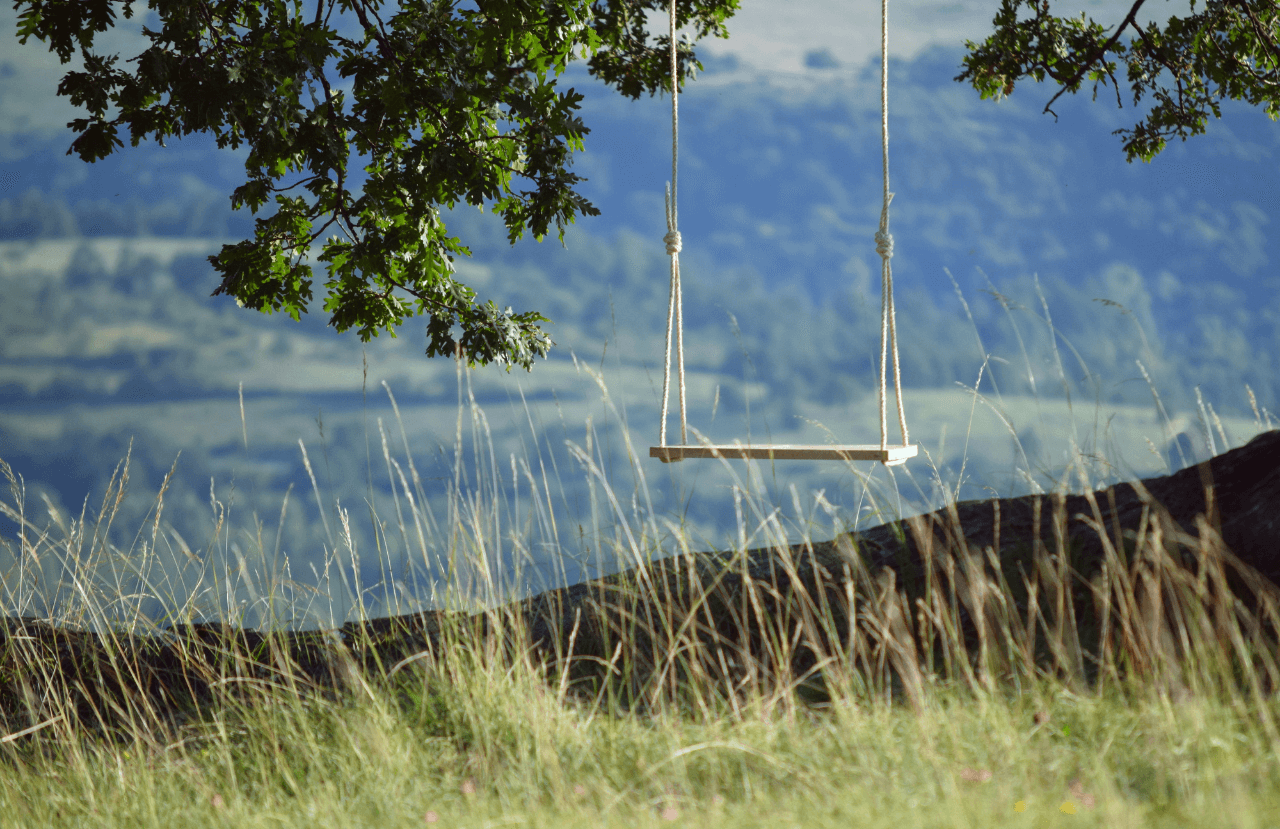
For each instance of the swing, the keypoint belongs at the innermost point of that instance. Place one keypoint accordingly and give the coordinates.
(886, 454)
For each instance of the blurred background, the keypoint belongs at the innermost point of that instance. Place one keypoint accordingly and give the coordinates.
(1047, 292)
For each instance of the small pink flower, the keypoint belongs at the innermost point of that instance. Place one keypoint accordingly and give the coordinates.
(975, 775)
(1077, 791)
(431, 817)
(469, 787)
(669, 813)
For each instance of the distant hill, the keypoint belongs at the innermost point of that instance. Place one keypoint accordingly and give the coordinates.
(110, 332)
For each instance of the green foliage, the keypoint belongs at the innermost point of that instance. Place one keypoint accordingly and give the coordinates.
(447, 105)
(1230, 49)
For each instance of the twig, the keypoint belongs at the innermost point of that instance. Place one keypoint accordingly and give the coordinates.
(9, 738)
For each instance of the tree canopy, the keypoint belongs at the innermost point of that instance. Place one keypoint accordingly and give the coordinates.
(1227, 49)
(441, 102)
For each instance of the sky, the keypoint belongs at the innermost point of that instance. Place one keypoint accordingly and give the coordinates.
(1046, 290)
(775, 37)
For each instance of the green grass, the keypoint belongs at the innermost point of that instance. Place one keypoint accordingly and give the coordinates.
(474, 746)
(903, 717)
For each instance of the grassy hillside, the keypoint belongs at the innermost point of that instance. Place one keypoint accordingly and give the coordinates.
(900, 720)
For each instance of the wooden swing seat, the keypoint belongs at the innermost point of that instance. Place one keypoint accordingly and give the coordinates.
(882, 452)
(890, 456)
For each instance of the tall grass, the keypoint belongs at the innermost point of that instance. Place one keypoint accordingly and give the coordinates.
(798, 685)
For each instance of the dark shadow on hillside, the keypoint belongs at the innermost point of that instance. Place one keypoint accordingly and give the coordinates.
(1076, 587)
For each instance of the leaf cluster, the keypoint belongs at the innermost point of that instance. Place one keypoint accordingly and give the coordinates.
(1228, 49)
(435, 102)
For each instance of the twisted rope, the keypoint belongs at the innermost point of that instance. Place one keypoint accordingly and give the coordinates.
(675, 314)
(884, 246)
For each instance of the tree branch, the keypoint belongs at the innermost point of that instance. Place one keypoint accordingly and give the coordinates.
(1097, 53)
(1261, 31)
(378, 35)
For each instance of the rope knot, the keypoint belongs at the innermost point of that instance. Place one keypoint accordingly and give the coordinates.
(673, 242)
(884, 244)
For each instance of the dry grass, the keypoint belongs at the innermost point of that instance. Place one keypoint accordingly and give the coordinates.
(985, 690)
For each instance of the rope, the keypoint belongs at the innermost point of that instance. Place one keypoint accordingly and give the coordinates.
(884, 246)
(675, 314)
